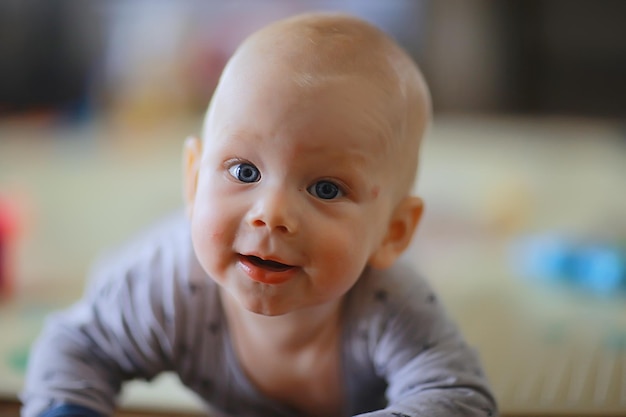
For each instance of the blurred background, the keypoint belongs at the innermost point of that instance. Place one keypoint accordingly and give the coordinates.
(148, 58)
(523, 172)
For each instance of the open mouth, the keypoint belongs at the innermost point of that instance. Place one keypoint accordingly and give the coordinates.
(267, 264)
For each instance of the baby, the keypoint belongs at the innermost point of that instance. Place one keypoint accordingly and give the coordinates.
(279, 292)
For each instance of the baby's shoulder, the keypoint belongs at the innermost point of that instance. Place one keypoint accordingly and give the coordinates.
(393, 287)
(385, 296)
(161, 251)
(388, 310)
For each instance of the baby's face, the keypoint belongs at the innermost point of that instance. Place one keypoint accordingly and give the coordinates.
(294, 189)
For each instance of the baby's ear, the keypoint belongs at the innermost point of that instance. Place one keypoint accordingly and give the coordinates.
(400, 231)
(192, 152)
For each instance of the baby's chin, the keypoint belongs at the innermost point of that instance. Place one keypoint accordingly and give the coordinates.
(274, 306)
(255, 301)
(267, 309)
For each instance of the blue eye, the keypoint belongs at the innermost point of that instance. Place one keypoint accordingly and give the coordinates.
(245, 172)
(325, 190)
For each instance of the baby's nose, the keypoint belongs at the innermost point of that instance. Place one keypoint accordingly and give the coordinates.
(276, 210)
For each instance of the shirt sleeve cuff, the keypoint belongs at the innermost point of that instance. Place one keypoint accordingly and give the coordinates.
(70, 410)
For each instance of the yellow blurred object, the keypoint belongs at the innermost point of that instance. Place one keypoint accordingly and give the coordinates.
(508, 207)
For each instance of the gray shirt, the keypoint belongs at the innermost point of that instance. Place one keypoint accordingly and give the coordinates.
(151, 308)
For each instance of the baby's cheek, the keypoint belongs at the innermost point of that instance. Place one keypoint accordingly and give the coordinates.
(210, 235)
(375, 192)
(343, 256)
(211, 216)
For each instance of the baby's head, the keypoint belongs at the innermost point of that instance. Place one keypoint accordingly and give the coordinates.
(310, 56)
(309, 152)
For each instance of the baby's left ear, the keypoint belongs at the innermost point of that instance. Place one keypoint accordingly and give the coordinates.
(401, 228)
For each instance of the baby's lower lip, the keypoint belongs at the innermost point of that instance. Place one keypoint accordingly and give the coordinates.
(266, 272)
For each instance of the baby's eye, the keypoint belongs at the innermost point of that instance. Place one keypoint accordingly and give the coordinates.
(325, 190)
(245, 172)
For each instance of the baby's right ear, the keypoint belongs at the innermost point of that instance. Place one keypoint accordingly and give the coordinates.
(192, 152)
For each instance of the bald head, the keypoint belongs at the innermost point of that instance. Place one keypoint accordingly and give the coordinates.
(314, 50)
(322, 45)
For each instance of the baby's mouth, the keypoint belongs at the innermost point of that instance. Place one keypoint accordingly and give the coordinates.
(267, 264)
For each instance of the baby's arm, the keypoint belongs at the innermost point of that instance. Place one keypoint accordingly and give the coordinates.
(429, 368)
(118, 331)
(85, 353)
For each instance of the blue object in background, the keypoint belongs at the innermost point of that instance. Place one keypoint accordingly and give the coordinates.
(597, 268)
(601, 269)
(548, 257)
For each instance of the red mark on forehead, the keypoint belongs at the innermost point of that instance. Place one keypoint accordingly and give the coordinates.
(375, 191)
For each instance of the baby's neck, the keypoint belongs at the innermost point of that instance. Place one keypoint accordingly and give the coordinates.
(293, 332)
(295, 358)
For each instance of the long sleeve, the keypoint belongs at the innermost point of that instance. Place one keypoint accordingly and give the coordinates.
(123, 328)
(415, 352)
